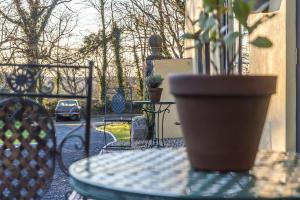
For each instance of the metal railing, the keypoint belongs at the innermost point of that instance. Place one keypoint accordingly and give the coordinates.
(22, 89)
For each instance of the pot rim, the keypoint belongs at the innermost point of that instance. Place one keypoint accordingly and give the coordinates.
(220, 75)
(159, 88)
(222, 85)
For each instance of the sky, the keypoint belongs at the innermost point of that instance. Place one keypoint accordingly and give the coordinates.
(88, 20)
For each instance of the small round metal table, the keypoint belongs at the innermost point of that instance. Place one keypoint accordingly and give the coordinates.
(166, 174)
(155, 112)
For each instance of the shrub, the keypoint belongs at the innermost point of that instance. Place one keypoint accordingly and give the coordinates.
(50, 105)
(154, 81)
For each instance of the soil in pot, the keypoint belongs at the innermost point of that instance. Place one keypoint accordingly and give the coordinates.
(222, 118)
(155, 94)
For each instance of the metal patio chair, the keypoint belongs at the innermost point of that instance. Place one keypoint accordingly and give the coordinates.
(118, 109)
(28, 150)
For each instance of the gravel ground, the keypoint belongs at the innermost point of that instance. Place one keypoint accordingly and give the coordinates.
(177, 142)
(60, 185)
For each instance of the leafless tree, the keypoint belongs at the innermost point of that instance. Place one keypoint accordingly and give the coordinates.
(142, 18)
(165, 18)
(97, 44)
(138, 20)
(29, 27)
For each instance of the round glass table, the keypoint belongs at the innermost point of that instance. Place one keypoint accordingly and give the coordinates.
(166, 174)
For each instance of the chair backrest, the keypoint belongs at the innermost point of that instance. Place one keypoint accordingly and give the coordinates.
(27, 149)
(118, 101)
(27, 134)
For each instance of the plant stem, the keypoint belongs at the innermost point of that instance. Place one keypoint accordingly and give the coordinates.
(207, 58)
(240, 65)
(199, 59)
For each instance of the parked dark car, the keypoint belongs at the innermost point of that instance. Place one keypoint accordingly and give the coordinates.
(68, 109)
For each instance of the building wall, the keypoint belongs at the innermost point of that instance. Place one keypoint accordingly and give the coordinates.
(165, 68)
(193, 8)
(291, 67)
(280, 128)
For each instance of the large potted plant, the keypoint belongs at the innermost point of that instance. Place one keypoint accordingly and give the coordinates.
(223, 112)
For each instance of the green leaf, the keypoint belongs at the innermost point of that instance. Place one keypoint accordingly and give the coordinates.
(241, 11)
(214, 5)
(211, 3)
(210, 23)
(230, 38)
(262, 42)
(188, 36)
(202, 19)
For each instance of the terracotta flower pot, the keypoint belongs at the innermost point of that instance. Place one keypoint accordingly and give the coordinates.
(155, 94)
(222, 118)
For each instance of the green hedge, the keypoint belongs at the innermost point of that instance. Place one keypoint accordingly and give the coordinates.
(97, 107)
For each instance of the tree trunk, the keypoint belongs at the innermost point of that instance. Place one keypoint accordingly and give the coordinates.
(32, 55)
(139, 73)
(104, 49)
(32, 50)
(116, 40)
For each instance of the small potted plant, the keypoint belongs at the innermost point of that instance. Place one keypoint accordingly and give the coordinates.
(153, 83)
(223, 111)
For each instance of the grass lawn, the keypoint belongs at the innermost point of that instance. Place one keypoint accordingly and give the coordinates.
(120, 130)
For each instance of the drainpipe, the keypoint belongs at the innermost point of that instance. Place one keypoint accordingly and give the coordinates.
(298, 78)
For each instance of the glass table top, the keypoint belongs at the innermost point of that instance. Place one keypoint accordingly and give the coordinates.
(166, 174)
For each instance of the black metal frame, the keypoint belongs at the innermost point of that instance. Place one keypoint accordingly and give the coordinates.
(21, 81)
(153, 112)
(155, 116)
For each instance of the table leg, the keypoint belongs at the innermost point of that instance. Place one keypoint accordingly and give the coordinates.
(157, 127)
(153, 127)
(166, 110)
(156, 117)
